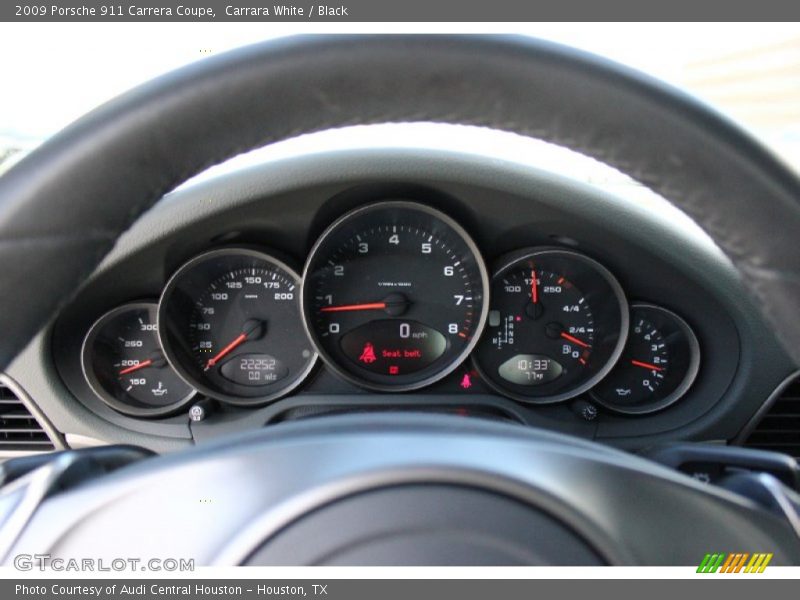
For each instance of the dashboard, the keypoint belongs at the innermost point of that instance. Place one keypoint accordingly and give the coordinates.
(394, 297)
(394, 281)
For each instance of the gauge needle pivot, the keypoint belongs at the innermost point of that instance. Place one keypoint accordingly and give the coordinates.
(645, 365)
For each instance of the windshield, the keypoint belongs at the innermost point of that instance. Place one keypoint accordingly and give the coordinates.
(53, 74)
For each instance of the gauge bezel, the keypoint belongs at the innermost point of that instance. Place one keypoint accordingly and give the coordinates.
(455, 362)
(688, 379)
(94, 383)
(511, 260)
(171, 355)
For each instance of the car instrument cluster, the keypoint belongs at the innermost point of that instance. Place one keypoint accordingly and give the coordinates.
(393, 297)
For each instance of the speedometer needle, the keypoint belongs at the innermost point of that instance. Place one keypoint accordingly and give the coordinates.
(226, 350)
(351, 307)
(534, 291)
(253, 329)
(645, 365)
(574, 340)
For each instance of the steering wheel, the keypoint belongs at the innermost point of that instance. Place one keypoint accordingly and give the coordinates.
(391, 489)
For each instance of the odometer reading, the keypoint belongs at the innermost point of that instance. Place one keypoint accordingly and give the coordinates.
(232, 326)
(393, 296)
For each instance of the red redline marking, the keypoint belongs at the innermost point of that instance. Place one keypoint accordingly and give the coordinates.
(350, 307)
(574, 340)
(560, 280)
(461, 334)
(213, 361)
(136, 367)
(645, 365)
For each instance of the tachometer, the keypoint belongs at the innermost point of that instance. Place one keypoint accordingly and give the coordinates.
(394, 295)
(230, 324)
(557, 323)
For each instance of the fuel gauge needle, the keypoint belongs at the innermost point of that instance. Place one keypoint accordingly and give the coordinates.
(574, 340)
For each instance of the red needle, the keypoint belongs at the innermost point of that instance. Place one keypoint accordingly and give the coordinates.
(349, 307)
(136, 367)
(645, 365)
(574, 340)
(226, 350)
(534, 291)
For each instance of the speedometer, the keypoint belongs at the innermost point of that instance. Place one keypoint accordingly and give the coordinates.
(557, 324)
(230, 324)
(394, 295)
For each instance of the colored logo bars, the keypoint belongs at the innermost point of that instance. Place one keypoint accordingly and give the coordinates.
(738, 562)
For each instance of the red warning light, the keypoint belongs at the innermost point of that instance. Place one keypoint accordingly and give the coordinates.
(394, 370)
(368, 354)
(466, 381)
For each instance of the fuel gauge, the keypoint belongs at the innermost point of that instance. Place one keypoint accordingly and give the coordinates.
(658, 365)
(125, 367)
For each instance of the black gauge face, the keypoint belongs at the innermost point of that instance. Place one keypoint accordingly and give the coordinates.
(394, 296)
(657, 367)
(557, 323)
(125, 366)
(231, 326)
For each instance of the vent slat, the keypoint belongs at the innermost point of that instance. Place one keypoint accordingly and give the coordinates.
(779, 428)
(19, 429)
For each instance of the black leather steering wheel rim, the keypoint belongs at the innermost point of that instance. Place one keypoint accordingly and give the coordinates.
(63, 206)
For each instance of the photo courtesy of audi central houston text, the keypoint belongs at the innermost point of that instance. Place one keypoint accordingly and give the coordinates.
(276, 298)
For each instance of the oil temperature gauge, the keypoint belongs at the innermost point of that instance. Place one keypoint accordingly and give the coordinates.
(125, 367)
(659, 364)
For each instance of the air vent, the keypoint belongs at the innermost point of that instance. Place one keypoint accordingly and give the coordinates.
(779, 428)
(19, 429)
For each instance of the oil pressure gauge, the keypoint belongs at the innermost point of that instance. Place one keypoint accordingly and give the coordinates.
(657, 367)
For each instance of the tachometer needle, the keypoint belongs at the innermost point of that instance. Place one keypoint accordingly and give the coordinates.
(352, 307)
(226, 350)
(534, 291)
(136, 367)
(645, 365)
(574, 340)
